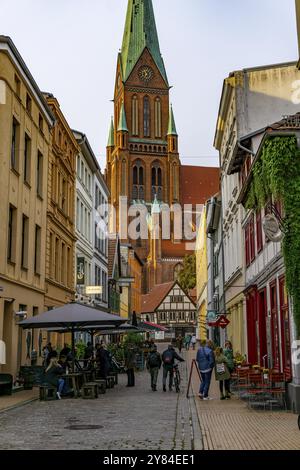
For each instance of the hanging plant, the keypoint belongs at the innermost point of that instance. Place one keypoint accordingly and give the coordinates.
(277, 174)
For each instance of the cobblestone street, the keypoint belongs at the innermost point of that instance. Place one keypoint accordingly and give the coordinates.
(123, 418)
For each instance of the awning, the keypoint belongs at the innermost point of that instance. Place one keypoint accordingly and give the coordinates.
(151, 326)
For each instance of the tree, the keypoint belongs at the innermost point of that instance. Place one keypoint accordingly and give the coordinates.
(187, 276)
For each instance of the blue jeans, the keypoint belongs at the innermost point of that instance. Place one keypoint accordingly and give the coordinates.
(205, 384)
(61, 385)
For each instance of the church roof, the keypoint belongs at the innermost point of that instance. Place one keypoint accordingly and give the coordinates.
(172, 126)
(111, 137)
(122, 122)
(140, 32)
(198, 183)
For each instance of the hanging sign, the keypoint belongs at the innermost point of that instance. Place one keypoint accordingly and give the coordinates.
(223, 322)
(80, 272)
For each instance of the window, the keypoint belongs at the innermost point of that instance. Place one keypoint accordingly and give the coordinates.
(64, 196)
(176, 181)
(18, 86)
(78, 214)
(56, 259)
(138, 190)
(78, 166)
(259, 240)
(39, 174)
(15, 144)
(177, 271)
(41, 123)
(37, 250)
(27, 159)
(146, 116)
(135, 116)
(124, 178)
(158, 118)
(11, 242)
(82, 171)
(156, 178)
(63, 265)
(24, 245)
(250, 242)
(28, 103)
(69, 268)
(89, 183)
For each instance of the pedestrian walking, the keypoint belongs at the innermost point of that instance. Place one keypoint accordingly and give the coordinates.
(88, 354)
(187, 342)
(153, 365)
(179, 343)
(168, 359)
(102, 360)
(228, 353)
(206, 361)
(194, 341)
(130, 363)
(222, 373)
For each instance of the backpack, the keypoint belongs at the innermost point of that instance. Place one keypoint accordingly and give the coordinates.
(168, 358)
(153, 360)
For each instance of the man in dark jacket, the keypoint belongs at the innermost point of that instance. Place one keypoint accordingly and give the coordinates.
(102, 360)
(130, 364)
(168, 359)
(153, 365)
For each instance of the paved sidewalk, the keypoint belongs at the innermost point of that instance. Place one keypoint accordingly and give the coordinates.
(230, 425)
(122, 419)
(8, 402)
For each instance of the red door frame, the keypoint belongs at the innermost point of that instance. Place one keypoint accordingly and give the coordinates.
(285, 329)
(275, 326)
(251, 326)
(262, 319)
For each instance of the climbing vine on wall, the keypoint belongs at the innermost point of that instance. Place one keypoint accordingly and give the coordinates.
(277, 174)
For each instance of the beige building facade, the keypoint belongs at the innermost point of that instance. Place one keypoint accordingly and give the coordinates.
(61, 237)
(25, 126)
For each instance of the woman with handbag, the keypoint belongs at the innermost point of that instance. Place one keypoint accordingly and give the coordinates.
(222, 373)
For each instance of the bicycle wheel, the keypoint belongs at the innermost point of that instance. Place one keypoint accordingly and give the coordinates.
(177, 381)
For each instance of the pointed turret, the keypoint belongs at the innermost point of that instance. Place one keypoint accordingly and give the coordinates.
(140, 32)
(122, 129)
(172, 126)
(122, 121)
(111, 136)
(172, 133)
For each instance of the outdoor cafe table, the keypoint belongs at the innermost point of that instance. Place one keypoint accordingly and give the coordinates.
(75, 379)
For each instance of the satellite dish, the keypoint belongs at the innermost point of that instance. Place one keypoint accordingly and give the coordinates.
(272, 228)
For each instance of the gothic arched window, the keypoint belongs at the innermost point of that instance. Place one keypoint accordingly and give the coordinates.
(175, 180)
(138, 180)
(135, 116)
(177, 270)
(156, 182)
(124, 178)
(157, 118)
(146, 116)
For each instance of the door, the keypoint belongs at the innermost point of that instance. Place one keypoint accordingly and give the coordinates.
(252, 327)
(275, 327)
(285, 328)
(262, 321)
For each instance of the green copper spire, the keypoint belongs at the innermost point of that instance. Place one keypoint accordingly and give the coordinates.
(140, 32)
(172, 127)
(111, 137)
(122, 122)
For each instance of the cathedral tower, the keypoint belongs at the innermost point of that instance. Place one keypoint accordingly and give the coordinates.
(142, 153)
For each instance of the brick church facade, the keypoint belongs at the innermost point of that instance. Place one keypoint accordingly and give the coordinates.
(143, 163)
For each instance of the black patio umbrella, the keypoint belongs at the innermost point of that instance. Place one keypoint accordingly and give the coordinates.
(71, 317)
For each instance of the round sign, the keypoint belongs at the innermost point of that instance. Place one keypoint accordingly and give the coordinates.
(272, 228)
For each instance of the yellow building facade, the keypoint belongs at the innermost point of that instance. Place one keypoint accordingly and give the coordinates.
(201, 276)
(25, 126)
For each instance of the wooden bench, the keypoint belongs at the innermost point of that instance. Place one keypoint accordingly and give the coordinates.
(89, 390)
(6, 384)
(101, 383)
(47, 392)
(110, 381)
(115, 375)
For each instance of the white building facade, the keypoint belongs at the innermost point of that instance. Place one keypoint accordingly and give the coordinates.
(91, 228)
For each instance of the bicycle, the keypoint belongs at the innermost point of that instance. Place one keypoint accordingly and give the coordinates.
(177, 378)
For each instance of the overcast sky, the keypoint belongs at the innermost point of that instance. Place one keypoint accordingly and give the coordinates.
(71, 48)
